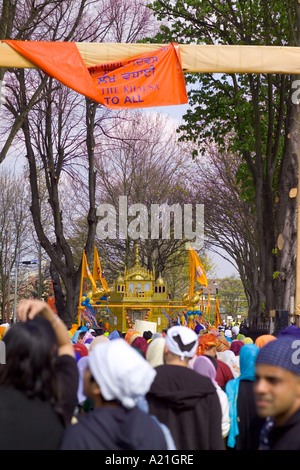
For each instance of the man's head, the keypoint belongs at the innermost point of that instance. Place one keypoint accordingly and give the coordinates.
(180, 345)
(277, 384)
(117, 373)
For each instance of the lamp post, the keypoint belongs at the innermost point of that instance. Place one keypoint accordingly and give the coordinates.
(16, 286)
(8, 278)
(18, 263)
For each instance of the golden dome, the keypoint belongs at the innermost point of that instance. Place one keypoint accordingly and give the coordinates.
(160, 281)
(137, 277)
(120, 279)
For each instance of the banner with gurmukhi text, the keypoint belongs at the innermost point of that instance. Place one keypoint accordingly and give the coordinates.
(151, 79)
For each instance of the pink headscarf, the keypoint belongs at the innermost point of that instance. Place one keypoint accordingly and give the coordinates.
(204, 366)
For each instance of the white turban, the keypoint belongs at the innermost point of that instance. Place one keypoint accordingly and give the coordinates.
(182, 341)
(235, 330)
(121, 372)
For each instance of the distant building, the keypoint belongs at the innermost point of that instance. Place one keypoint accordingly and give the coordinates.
(138, 295)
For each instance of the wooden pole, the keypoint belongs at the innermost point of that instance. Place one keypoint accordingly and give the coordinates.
(297, 299)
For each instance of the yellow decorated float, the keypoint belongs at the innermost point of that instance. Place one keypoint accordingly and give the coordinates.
(138, 296)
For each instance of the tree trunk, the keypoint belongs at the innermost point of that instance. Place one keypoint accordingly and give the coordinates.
(287, 209)
(60, 254)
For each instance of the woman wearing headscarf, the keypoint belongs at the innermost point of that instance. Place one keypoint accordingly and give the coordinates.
(207, 366)
(229, 358)
(141, 344)
(235, 347)
(245, 424)
(135, 335)
(38, 382)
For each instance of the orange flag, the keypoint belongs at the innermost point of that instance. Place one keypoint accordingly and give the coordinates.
(196, 271)
(97, 271)
(86, 273)
(151, 79)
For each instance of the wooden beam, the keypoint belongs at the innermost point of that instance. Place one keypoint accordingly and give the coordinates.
(195, 58)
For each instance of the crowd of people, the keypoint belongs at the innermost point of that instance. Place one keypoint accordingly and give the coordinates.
(183, 389)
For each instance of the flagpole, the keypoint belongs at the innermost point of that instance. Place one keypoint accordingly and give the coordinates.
(191, 274)
(97, 270)
(208, 306)
(80, 295)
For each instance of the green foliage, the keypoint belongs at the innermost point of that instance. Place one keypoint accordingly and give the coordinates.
(232, 296)
(254, 22)
(244, 179)
(246, 109)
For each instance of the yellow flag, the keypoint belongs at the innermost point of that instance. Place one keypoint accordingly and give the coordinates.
(196, 271)
(86, 273)
(217, 313)
(97, 271)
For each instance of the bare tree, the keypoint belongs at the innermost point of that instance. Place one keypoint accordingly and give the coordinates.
(57, 130)
(143, 161)
(15, 231)
(230, 219)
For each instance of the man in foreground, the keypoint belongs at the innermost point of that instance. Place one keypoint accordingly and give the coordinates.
(277, 393)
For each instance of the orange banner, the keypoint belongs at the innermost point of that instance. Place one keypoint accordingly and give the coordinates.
(150, 79)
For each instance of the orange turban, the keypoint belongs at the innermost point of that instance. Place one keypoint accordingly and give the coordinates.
(129, 334)
(263, 340)
(223, 344)
(205, 342)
